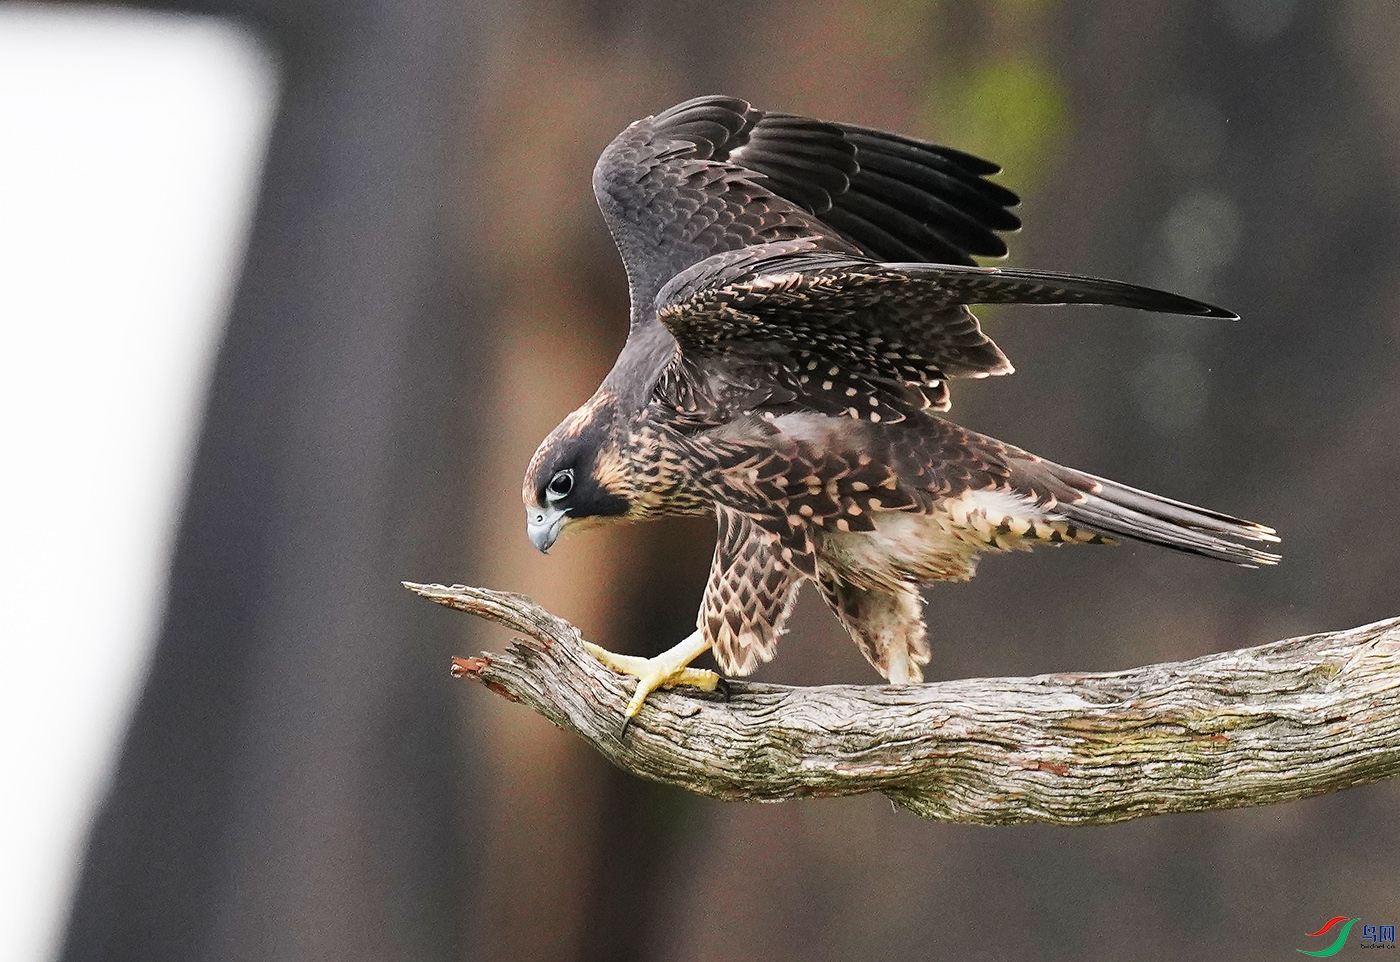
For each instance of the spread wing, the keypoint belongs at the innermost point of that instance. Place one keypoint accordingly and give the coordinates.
(715, 174)
(842, 334)
(805, 265)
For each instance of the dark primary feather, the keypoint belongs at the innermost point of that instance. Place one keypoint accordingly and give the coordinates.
(894, 197)
(999, 285)
(714, 174)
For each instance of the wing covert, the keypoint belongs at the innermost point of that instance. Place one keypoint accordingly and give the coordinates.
(841, 330)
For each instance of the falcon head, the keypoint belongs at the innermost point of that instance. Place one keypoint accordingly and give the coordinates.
(578, 475)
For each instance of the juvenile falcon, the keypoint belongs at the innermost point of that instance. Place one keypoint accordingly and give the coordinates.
(800, 295)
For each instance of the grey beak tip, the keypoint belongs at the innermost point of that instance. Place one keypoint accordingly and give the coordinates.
(543, 527)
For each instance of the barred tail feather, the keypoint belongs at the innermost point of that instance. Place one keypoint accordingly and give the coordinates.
(1114, 509)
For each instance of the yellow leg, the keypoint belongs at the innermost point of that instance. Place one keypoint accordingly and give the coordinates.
(663, 671)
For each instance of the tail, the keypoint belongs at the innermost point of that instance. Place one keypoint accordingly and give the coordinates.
(1109, 508)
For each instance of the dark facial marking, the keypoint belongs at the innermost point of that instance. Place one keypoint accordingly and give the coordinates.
(567, 479)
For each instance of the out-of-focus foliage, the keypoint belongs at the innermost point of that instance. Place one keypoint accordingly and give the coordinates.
(1010, 109)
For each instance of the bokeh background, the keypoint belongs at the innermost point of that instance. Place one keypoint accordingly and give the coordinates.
(422, 286)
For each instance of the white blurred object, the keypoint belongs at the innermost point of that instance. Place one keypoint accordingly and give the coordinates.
(132, 144)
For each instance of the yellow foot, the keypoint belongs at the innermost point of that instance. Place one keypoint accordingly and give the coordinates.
(663, 671)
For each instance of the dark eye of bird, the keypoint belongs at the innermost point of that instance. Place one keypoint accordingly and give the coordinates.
(561, 484)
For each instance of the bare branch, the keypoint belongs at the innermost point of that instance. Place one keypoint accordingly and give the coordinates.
(1282, 721)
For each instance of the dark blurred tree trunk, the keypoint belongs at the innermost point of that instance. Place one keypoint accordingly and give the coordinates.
(265, 807)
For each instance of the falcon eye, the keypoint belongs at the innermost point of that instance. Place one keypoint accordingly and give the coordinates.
(561, 484)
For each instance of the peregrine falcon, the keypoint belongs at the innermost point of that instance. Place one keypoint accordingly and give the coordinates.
(800, 295)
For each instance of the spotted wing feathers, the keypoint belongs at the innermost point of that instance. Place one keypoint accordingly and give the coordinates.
(803, 472)
(839, 330)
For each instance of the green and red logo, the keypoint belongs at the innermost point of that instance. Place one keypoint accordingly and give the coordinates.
(1341, 939)
(1372, 936)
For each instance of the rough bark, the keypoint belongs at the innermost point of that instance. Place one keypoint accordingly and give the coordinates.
(1282, 721)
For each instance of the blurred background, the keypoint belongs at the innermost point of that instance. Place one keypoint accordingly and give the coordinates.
(291, 290)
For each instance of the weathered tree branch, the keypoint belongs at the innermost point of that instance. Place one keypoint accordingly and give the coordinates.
(1282, 721)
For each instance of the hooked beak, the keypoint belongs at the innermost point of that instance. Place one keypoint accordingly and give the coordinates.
(543, 525)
